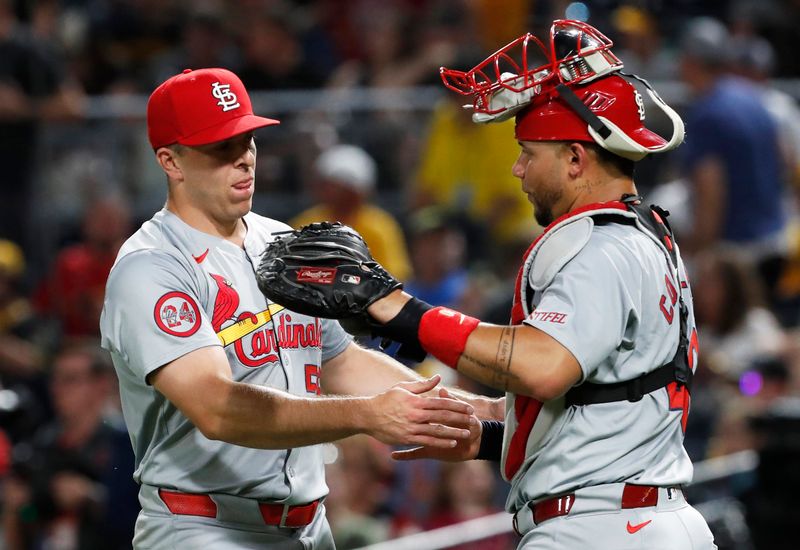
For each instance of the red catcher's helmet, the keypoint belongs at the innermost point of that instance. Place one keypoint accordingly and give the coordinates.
(575, 94)
(615, 103)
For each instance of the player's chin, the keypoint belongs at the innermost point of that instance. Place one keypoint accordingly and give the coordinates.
(242, 205)
(242, 196)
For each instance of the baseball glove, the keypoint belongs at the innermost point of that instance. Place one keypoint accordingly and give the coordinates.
(323, 269)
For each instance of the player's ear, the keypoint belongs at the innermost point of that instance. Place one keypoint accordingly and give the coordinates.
(577, 156)
(168, 158)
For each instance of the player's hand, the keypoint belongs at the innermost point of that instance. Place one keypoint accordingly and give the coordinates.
(403, 416)
(465, 449)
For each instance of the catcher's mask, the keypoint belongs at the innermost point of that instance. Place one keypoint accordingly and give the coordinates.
(569, 91)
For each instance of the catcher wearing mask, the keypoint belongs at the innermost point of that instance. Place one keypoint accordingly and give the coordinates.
(599, 357)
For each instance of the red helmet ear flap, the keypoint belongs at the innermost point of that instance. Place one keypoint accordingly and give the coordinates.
(637, 143)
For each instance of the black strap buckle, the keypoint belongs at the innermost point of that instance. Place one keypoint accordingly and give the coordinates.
(635, 389)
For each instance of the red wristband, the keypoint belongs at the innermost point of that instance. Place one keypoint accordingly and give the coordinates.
(444, 332)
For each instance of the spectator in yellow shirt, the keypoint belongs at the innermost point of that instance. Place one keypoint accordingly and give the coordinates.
(458, 171)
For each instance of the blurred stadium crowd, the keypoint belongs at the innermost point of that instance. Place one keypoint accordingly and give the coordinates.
(431, 192)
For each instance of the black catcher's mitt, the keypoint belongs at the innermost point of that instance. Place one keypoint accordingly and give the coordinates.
(323, 269)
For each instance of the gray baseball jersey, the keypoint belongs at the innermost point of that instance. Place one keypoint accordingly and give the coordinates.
(609, 295)
(174, 289)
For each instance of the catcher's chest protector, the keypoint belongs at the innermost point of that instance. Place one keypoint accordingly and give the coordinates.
(528, 420)
(565, 239)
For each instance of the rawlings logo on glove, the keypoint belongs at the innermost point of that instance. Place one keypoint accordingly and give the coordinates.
(322, 276)
(325, 270)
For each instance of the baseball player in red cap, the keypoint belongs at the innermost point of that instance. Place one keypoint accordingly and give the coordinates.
(219, 386)
(599, 359)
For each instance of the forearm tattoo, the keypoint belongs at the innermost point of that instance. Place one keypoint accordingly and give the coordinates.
(500, 375)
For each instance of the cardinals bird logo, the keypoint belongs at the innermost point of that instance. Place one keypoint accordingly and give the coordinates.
(225, 304)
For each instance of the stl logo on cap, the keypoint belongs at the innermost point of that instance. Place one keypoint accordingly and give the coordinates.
(200, 107)
(227, 99)
(637, 97)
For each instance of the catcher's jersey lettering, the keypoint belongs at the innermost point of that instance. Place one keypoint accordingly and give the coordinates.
(176, 313)
(213, 303)
(548, 317)
(668, 310)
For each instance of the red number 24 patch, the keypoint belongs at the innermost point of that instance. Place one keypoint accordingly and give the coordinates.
(177, 314)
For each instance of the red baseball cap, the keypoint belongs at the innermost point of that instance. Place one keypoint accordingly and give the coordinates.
(200, 107)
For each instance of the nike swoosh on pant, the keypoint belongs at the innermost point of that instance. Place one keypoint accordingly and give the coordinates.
(633, 528)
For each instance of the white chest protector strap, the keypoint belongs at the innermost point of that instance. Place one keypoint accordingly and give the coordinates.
(565, 241)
